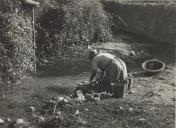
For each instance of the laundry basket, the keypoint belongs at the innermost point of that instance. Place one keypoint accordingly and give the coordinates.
(153, 66)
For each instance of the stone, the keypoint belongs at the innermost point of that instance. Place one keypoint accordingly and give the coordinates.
(81, 121)
(80, 97)
(60, 98)
(130, 109)
(77, 112)
(121, 108)
(2, 121)
(141, 119)
(41, 119)
(86, 109)
(132, 53)
(8, 120)
(32, 109)
(19, 121)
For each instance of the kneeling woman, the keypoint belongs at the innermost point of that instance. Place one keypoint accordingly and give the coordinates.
(113, 69)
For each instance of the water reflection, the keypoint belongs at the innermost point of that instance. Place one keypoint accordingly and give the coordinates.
(68, 61)
(62, 68)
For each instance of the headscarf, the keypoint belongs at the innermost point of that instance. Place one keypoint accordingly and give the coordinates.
(92, 53)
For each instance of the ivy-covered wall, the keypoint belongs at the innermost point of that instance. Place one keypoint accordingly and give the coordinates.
(16, 45)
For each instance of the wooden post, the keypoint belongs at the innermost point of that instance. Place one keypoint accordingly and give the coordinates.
(33, 28)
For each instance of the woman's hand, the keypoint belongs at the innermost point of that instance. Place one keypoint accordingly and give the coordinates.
(93, 74)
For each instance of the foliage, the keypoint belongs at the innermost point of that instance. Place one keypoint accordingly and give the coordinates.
(71, 22)
(16, 47)
(61, 23)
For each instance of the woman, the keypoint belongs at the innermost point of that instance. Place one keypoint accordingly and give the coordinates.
(113, 69)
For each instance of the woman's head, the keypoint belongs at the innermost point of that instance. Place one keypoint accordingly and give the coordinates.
(92, 54)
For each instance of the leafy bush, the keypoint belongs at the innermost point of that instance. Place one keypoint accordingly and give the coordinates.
(71, 22)
(16, 47)
(62, 23)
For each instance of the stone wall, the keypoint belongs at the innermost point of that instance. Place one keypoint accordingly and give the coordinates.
(154, 21)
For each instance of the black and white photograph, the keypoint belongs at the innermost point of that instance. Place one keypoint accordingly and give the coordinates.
(87, 63)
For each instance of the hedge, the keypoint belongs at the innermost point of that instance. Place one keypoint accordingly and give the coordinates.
(70, 23)
(16, 46)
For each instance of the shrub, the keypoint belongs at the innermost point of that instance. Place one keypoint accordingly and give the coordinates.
(71, 22)
(16, 47)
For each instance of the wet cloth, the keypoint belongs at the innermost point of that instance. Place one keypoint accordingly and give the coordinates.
(114, 68)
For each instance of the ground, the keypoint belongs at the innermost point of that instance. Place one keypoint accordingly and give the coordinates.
(151, 105)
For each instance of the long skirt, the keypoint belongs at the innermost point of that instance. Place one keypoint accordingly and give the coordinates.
(116, 71)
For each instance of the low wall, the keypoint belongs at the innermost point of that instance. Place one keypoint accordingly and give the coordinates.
(154, 21)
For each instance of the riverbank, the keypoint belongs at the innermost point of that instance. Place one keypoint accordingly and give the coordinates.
(150, 105)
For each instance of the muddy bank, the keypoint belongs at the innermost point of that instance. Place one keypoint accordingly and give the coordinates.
(154, 21)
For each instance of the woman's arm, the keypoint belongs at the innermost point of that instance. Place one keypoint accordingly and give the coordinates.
(93, 74)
